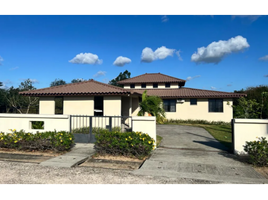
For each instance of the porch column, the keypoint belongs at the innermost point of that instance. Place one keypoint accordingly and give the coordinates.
(130, 111)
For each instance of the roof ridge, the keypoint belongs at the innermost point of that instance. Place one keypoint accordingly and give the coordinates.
(205, 90)
(112, 86)
(59, 86)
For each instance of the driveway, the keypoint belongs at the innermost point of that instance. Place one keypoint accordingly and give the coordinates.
(192, 153)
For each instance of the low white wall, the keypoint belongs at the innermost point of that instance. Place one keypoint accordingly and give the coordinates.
(23, 122)
(145, 125)
(246, 130)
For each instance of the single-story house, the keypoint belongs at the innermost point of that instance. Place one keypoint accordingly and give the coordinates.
(100, 99)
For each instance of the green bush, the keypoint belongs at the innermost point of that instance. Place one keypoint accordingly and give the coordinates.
(194, 121)
(50, 140)
(85, 130)
(130, 144)
(257, 151)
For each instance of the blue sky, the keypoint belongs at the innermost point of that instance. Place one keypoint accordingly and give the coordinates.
(223, 53)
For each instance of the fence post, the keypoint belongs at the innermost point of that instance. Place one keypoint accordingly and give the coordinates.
(90, 129)
(233, 140)
(70, 123)
(110, 124)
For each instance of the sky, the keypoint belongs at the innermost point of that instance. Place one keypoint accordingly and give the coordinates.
(213, 52)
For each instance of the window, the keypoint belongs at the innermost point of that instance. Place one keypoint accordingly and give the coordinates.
(58, 105)
(98, 106)
(169, 105)
(132, 85)
(193, 101)
(143, 85)
(215, 105)
(167, 85)
(155, 85)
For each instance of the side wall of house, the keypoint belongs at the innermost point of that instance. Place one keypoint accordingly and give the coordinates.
(201, 111)
(112, 105)
(46, 106)
(150, 86)
(78, 105)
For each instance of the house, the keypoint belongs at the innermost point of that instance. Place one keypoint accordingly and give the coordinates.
(100, 99)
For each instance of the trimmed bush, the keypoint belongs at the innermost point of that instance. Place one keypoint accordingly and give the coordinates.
(51, 140)
(257, 151)
(193, 121)
(128, 144)
(85, 130)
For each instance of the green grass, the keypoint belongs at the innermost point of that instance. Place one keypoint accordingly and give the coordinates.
(221, 131)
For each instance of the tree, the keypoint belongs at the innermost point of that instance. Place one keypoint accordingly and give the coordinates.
(57, 82)
(122, 76)
(152, 105)
(20, 103)
(259, 93)
(247, 108)
(77, 80)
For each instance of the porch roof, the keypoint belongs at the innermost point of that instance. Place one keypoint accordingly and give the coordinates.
(90, 87)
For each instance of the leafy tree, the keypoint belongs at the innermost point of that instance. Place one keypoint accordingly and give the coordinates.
(77, 80)
(57, 82)
(122, 76)
(247, 108)
(3, 102)
(152, 105)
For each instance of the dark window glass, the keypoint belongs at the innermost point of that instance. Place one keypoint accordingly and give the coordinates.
(215, 105)
(169, 105)
(143, 85)
(193, 101)
(132, 85)
(167, 85)
(58, 105)
(98, 106)
(155, 85)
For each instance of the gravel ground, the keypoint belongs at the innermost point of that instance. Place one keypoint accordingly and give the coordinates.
(26, 173)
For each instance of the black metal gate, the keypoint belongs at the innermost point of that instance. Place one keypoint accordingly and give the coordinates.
(84, 126)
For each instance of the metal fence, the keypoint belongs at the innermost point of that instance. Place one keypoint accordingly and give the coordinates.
(84, 127)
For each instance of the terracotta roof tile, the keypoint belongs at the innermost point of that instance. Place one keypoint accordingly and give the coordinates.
(187, 93)
(152, 78)
(90, 87)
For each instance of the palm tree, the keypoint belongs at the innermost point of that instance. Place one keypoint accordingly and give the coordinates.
(152, 105)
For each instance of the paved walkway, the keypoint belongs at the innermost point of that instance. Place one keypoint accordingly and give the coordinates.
(78, 154)
(191, 152)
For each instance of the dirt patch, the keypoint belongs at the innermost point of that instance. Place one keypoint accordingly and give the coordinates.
(113, 162)
(26, 156)
(262, 170)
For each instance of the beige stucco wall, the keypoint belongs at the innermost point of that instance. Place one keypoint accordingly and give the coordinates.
(150, 86)
(246, 130)
(46, 105)
(135, 106)
(200, 111)
(78, 105)
(112, 105)
(145, 125)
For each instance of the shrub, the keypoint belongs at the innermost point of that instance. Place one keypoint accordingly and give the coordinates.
(195, 121)
(85, 130)
(130, 144)
(257, 151)
(50, 140)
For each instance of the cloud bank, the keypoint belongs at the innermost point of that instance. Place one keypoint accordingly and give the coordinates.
(121, 61)
(264, 58)
(148, 55)
(216, 51)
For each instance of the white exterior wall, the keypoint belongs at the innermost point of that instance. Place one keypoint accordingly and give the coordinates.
(23, 122)
(150, 86)
(145, 125)
(246, 130)
(112, 105)
(47, 105)
(78, 105)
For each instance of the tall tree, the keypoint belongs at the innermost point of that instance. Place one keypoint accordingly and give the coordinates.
(57, 82)
(22, 104)
(248, 108)
(77, 80)
(122, 76)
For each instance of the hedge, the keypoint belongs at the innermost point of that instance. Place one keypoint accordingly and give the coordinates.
(50, 140)
(135, 144)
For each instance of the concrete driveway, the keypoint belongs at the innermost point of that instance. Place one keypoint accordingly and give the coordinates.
(192, 153)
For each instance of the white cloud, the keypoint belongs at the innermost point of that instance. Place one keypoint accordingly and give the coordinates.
(121, 61)
(148, 55)
(213, 88)
(106, 80)
(264, 58)
(1, 60)
(216, 51)
(251, 18)
(178, 54)
(191, 78)
(14, 68)
(99, 73)
(34, 80)
(164, 18)
(86, 58)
